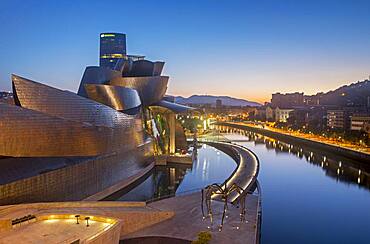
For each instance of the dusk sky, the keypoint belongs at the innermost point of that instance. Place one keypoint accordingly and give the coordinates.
(245, 49)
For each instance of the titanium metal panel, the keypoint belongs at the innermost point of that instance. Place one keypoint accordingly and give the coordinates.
(157, 69)
(96, 75)
(145, 68)
(68, 178)
(65, 104)
(115, 130)
(118, 97)
(127, 65)
(28, 133)
(150, 88)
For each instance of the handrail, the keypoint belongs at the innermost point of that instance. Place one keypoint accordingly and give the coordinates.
(259, 213)
(23, 219)
(253, 176)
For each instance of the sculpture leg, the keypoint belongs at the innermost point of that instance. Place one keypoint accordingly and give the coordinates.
(223, 214)
(210, 212)
(208, 204)
(201, 205)
(242, 214)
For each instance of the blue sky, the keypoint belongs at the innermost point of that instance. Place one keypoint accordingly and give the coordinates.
(246, 49)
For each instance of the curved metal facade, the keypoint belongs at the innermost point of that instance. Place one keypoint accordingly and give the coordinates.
(145, 68)
(65, 104)
(68, 178)
(117, 97)
(96, 144)
(96, 75)
(110, 130)
(157, 68)
(28, 133)
(151, 88)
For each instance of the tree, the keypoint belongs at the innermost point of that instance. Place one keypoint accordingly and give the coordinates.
(203, 238)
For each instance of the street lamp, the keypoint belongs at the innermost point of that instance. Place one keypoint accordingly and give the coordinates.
(87, 221)
(77, 217)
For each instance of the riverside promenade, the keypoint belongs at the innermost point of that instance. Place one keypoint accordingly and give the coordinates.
(188, 219)
(342, 151)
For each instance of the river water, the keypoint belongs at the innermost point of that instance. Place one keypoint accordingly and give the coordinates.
(308, 196)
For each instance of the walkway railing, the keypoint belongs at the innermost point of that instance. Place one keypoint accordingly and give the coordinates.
(259, 214)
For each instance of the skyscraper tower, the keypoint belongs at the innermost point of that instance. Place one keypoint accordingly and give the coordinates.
(112, 50)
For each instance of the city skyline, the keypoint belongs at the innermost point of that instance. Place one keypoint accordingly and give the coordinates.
(259, 48)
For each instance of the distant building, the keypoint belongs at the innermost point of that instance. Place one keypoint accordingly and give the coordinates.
(112, 50)
(312, 118)
(6, 97)
(218, 103)
(287, 100)
(337, 119)
(299, 117)
(360, 122)
(270, 113)
(313, 99)
(282, 114)
(260, 113)
(6, 94)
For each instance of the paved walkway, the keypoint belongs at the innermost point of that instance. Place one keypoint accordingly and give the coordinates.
(188, 221)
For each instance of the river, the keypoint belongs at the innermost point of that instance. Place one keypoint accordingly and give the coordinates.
(308, 196)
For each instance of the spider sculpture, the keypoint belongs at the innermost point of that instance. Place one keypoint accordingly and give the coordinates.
(222, 191)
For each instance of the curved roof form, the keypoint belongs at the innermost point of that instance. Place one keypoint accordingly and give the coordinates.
(36, 96)
(28, 133)
(151, 89)
(96, 75)
(145, 68)
(101, 128)
(117, 97)
(174, 107)
(157, 68)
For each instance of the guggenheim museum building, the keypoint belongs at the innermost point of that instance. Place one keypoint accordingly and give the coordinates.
(57, 145)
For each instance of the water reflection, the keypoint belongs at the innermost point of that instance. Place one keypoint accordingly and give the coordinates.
(308, 196)
(339, 168)
(162, 181)
(209, 166)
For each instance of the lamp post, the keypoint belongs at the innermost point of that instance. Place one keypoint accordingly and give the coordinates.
(77, 217)
(87, 221)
